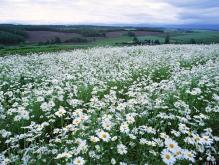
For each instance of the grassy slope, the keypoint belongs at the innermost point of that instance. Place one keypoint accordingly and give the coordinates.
(113, 41)
(199, 36)
(62, 47)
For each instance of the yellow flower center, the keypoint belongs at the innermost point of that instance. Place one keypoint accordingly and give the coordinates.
(104, 136)
(167, 156)
(178, 153)
(171, 145)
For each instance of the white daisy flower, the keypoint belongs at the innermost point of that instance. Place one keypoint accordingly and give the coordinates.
(171, 145)
(94, 139)
(124, 128)
(63, 155)
(113, 161)
(122, 149)
(79, 161)
(189, 155)
(60, 112)
(167, 157)
(104, 136)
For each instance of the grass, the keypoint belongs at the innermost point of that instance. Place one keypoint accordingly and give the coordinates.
(113, 41)
(200, 36)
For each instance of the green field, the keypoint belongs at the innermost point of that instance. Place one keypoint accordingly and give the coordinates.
(113, 41)
(200, 36)
(62, 47)
(39, 49)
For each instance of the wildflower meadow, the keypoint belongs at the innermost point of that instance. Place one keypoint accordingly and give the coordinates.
(139, 105)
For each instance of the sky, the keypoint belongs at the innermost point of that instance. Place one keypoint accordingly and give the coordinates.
(151, 12)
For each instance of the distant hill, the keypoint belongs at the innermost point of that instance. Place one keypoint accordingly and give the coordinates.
(11, 34)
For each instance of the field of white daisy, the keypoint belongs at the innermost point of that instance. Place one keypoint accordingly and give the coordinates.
(137, 105)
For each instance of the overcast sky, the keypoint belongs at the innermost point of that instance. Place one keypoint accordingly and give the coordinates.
(109, 11)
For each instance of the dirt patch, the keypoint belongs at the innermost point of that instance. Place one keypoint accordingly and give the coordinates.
(43, 36)
(137, 33)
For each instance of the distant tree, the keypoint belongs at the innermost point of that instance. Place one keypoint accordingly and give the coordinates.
(57, 40)
(135, 40)
(167, 39)
(146, 41)
(157, 42)
(192, 41)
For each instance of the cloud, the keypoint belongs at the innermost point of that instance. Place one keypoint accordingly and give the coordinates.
(194, 3)
(108, 12)
(197, 11)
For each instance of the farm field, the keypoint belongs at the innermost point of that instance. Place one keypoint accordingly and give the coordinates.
(136, 105)
(203, 36)
(24, 39)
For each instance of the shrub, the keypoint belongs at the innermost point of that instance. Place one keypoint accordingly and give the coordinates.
(157, 42)
(192, 41)
(57, 40)
(135, 40)
(167, 39)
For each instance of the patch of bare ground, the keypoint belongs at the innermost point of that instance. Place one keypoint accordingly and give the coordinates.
(43, 36)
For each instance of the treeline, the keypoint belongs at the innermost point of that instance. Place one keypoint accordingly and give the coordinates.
(84, 30)
(71, 28)
(13, 29)
(167, 40)
(10, 34)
